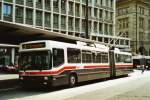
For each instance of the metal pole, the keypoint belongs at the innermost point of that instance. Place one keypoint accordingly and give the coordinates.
(136, 29)
(86, 19)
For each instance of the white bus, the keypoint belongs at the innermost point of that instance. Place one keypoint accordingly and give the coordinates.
(57, 63)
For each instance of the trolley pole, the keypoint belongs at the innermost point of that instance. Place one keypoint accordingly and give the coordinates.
(86, 21)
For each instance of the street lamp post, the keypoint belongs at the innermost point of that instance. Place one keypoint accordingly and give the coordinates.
(86, 19)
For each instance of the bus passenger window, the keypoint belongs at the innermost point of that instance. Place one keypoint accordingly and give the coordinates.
(74, 55)
(86, 56)
(58, 57)
(104, 57)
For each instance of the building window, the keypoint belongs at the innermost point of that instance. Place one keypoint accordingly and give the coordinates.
(19, 14)
(100, 13)
(70, 8)
(123, 11)
(141, 22)
(141, 10)
(63, 22)
(95, 27)
(56, 20)
(29, 3)
(95, 2)
(0, 10)
(83, 11)
(111, 29)
(63, 6)
(106, 14)
(29, 16)
(123, 23)
(100, 28)
(77, 24)
(107, 2)
(7, 12)
(47, 4)
(39, 4)
(70, 24)
(149, 24)
(77, 10)
(101, 2)
(56, 5)
(95, 12)
(47, 19)
(89, 12)
(106, 29)
(111, 3)
(39, 18)
(83, 25)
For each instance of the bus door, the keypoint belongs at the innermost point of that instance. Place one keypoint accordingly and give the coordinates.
(112, 63)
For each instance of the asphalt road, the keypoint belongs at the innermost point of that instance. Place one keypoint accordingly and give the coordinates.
(134, 87)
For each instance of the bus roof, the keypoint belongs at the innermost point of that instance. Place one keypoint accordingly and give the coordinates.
(56, 44)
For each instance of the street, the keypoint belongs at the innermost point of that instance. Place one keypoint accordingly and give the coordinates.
(134, 87)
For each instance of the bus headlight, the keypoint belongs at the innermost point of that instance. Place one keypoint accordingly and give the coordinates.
(45, 78)
(21, 78)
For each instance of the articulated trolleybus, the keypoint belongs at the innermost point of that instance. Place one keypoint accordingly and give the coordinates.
(56, 63)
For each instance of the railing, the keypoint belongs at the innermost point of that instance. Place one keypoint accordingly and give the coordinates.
(47, 7)
(63, 11)
(63, 26)
(70, 12)
(39, 22)
(56, 9)
(39, 5)
(19, 19)
(77, 29)
(30, 4)
(47, 24)
(70, 28)
(77, 0)
(8, 18)
(21, 2)
(56, 25)
(29, 21)
(77, 14)
(8, 1)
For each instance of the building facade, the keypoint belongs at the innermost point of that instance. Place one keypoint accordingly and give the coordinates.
(133, 21)
(66, 17)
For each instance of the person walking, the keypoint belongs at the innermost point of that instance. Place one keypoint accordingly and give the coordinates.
(143, 68)
(142, 62)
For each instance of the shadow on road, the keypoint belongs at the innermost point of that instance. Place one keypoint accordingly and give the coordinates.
(21, 92)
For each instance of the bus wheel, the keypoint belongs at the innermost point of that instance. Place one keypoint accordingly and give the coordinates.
(72, 80)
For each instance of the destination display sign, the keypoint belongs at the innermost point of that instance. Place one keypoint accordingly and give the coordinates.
(33, 45)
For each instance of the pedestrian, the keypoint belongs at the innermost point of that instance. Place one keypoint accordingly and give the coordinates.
(143, 68)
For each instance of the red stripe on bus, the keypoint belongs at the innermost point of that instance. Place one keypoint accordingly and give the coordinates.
(122, 66)
(71, 68)
(49, 72)
(97, 66)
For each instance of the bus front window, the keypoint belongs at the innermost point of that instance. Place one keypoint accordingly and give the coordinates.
(35, 60)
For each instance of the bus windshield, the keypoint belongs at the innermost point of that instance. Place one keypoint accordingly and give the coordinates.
(39, 60)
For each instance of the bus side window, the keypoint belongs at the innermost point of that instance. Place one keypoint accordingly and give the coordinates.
(58, 57)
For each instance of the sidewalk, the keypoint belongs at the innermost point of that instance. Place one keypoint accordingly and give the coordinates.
(8, 80)
(8, 76)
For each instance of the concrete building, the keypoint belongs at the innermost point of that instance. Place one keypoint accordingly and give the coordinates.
(62, 18)
(133, 21)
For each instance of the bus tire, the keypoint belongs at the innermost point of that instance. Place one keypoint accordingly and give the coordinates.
(72, 80)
